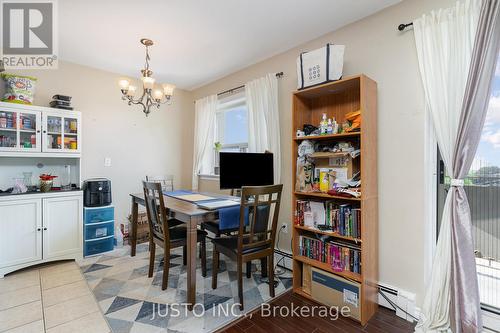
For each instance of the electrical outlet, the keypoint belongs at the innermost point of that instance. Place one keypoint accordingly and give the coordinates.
(107, 161)
(284, 227)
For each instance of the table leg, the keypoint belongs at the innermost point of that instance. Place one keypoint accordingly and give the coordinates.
(191, 262)
(133, 234)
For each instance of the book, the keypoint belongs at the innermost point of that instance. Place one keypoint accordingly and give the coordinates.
(344, 219)
(341, 256)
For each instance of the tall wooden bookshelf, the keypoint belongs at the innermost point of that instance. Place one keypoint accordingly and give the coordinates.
(336, 99)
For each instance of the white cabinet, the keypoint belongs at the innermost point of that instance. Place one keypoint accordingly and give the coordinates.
(39, 130)
(20, 232)
(62, 226)
(40, 228)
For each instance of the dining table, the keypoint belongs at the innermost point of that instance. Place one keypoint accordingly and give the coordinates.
(188, 213)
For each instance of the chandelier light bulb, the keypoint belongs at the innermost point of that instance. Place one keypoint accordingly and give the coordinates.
(124, 84)
(168, 89)
(157, 94)
(148, 82)
(131, 90)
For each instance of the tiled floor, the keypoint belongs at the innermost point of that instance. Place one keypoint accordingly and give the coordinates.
(54, 298)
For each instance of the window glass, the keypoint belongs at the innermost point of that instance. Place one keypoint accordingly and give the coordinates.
(235, 126)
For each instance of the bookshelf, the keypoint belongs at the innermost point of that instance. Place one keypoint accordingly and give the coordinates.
(336, 99)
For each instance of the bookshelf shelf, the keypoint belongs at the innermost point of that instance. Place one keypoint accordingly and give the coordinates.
(326, 196)
(326, 267)
(328, 136)
(337, 99)
(329, 233)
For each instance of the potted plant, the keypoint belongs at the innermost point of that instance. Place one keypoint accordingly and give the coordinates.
(46, 182)
(217, 148)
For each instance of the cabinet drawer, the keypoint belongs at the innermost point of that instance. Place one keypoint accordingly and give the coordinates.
(98, 215)
(98, 246)
(99, 230)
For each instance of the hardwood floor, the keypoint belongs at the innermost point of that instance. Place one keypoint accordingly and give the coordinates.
(385, 321)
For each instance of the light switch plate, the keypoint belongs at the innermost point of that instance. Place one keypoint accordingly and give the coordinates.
(107, 161)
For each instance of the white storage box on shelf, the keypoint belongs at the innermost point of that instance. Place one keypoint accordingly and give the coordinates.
(319, 66)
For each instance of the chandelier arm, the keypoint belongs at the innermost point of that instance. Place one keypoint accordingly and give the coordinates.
(135, 101)
(166, 101)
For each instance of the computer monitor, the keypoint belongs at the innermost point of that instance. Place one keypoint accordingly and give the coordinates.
(245, 169)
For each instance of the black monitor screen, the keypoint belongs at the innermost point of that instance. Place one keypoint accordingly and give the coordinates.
(245, 169)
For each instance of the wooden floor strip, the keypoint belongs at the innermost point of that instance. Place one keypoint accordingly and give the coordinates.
(385, 321)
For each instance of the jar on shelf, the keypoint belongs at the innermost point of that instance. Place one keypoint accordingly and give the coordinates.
(46, 185)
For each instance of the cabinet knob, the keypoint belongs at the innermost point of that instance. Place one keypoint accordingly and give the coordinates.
(38, 229)
(45, 228)
(44, 131)
(38, 131)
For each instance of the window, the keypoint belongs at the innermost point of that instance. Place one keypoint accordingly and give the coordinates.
(230, 129)
(231, 124)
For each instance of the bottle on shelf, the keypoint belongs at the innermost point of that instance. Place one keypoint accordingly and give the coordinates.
(335, 126)
(329, 127)
(323, 125)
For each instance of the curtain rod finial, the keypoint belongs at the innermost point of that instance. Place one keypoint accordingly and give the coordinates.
(403, 26)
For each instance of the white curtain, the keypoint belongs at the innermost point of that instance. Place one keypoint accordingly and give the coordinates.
(263, 119)
(203, 154)
(444, 41)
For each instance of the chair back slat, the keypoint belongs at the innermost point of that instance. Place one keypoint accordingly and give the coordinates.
(156, 211)
(263, 203)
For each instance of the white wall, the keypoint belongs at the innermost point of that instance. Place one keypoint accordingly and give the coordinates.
(137, 145)
(376, 48)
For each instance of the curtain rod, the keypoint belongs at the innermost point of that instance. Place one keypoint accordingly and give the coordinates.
(278, 75)
(403, 26)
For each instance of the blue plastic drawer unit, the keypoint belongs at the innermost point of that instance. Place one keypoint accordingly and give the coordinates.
(98, 214)
(99, 229)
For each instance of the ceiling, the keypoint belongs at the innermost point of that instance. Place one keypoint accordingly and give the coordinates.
(196, 41)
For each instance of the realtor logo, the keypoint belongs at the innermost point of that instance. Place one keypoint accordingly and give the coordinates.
(28, 34)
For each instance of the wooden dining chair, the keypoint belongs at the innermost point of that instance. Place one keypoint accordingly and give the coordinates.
(214, 226)
(167, 238)
(255, 240)
(167, 184)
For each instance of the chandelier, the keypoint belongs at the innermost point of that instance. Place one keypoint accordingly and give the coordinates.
(150, 97)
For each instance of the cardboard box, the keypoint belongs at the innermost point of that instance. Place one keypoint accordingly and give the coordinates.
(336, 291)
(142, 227)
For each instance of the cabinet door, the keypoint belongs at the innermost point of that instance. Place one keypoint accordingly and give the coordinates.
(72, 133)
(20, 231)
(61, 132)
(52, 132)
(9, 135)
(29, 131)
(62, 226)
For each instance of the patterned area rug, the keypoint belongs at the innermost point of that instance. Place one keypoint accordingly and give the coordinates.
(132, 302)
